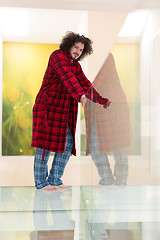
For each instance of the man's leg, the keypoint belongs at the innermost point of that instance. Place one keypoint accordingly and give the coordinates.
(41, 168)
(121, 167)
(100, 159)
(59, 162)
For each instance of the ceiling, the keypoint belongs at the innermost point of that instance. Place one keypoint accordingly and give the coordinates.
(90, 5)
(47, 21)
(37, 25)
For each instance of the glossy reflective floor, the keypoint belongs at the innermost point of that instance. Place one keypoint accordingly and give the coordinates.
(80, 213)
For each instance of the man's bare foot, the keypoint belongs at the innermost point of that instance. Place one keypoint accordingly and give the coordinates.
(63, 186)
(49, 188)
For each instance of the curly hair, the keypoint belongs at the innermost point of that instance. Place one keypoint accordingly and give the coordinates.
(71, 38)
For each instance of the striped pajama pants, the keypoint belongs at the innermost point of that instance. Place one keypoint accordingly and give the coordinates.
(60, 160)
(102, 163)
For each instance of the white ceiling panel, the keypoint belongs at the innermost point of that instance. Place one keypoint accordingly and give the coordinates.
(46, 21)
(96, 5)
(37, 25)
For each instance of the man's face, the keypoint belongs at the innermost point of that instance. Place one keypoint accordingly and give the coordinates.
(76, 50)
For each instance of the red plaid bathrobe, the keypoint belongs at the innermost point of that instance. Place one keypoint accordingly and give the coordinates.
(56, 104)
(113, 123)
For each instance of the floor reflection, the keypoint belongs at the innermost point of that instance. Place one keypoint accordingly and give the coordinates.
(123, 213)
(80, 213)
(58, 221)
(49, 235)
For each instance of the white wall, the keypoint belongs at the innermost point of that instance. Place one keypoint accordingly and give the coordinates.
(150, 109)
(103, 29)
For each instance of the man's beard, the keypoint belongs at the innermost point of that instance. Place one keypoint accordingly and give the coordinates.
(75, 59)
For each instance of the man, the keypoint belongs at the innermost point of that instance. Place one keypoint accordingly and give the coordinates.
(56, 106)
(109, 131)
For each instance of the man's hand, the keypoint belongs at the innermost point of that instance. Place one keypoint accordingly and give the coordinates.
(106, 104)
(83, 100)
